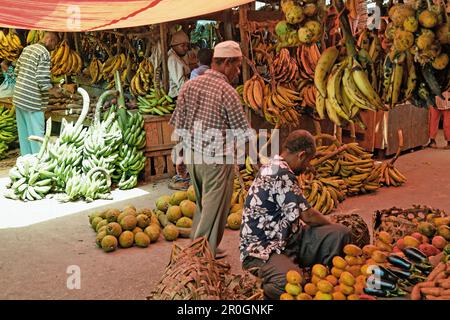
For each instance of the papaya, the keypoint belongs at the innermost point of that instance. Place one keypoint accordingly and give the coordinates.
(410, 241)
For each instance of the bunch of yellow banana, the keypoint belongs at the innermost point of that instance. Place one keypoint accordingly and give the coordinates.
(253, 93)
(141, 82)
(120, 63)
(343, 89)
(285, 67)
(324, 194)
(259, 47)
(309, 93)
(279, 105)
(389, 175)
(10, 46)
(65, 61)
(95, 70)
(34, 36)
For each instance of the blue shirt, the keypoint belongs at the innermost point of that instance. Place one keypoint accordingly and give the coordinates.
(199, 71)
(271, 211)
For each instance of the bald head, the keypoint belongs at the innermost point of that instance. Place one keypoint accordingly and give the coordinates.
(50, 40)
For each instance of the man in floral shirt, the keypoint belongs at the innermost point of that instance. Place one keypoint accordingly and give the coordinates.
(280, 230)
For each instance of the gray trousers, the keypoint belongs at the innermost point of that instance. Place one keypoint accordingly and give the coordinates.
(310, 246)
(213, 185)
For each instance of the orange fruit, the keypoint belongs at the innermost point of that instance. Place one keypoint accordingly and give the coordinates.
(323, 296)
(336, 272)
(332, 279)
(338, 296)
(319, 270)
(347, 290)
(293, 289)
(352, 250)
(304, 296)
(293, 277)
(311, 289)
(315, 279)
(324, 286)
(286, 296)
(339, 262)
(347, 279)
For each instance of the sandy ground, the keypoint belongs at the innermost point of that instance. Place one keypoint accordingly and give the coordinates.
(34, 260)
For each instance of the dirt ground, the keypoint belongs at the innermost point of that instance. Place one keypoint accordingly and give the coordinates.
(34, 260)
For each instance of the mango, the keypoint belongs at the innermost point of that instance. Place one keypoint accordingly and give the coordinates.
(352, 250)
(339, 296)
(352, 261)
(383, 246)
(379, 256)
(311, 289)
(336, 272)
(319, 270)
(347, 279)
(304, 296)
(323, 296)
(293, 289)
(347, 290)
(286, 296)
(339, 262)
(385, 237)
(444, 231)
(325, 286)
(410, 241)
(332, 279)
(369, 249)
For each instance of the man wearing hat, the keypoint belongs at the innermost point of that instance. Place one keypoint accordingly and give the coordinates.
(178, 75)
(208, 110)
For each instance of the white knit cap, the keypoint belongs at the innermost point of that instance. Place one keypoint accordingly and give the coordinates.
(227, 49)
(179, 37)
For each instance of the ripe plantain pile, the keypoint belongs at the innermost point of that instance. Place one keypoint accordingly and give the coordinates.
(302, 25)
(417, 66)
(65, 61)
(343, 89)
(389, 175)
(10, 46)
(141, 82)
(276, 101)
(8, 129)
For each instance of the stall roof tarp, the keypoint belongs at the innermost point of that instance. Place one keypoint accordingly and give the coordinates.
(88, 15)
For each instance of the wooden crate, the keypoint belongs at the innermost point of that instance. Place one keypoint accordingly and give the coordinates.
(158, 165)
(158, 133)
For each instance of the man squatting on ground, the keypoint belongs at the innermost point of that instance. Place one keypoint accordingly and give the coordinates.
(280, 230)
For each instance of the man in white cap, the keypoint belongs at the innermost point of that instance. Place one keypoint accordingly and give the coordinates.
(178, 74)
(210, 105)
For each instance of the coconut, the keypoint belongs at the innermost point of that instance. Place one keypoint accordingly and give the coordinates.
(403, 40)
(126, 239)
(399, 13)
(441, 62)
(294, 14)
(428, 19)
(305, 35)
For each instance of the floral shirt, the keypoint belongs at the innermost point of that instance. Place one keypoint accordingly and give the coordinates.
(272, 211)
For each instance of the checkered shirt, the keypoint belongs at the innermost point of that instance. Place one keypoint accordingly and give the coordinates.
(209, 105)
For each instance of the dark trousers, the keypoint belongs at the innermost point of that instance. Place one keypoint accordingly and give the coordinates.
(310, 246)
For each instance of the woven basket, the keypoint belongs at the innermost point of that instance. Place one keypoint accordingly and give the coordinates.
(194, 274)
(359, 229)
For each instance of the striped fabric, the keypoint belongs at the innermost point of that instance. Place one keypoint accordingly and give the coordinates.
(33, 78)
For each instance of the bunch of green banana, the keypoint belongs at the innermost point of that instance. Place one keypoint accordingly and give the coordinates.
(65, 61)
(32, 176)
(8, 129)
(156, 103)
(89, 186)
(10, 45)
(34, 36)
(131, 159)
(141, 82)
(67, 159)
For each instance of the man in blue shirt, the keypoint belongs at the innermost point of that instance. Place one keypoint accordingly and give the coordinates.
(280, 230)
(204, 58)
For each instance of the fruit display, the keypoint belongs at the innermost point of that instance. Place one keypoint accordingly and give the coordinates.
(307, 58)
(175, 213)
(417, 66)
(35, 36)
(141, 82)
(10, 45)
(65, 61)
(31, 177)
(302, 25)
(8, 129)
(400, 222)
(156, 103)
(343, 88)
(125, 228)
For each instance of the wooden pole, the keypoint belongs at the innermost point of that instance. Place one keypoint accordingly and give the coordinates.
(244, 40)
(164, 48)
(228, 25)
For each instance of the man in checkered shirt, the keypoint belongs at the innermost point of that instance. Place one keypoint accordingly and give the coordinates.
(209, 119)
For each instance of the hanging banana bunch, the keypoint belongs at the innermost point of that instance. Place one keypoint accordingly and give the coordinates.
(141, 83)
(115, 63)
(35, 36)
(253, 93)
(65, 61)
(285, 67)
(95, 70)
(10, 45)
